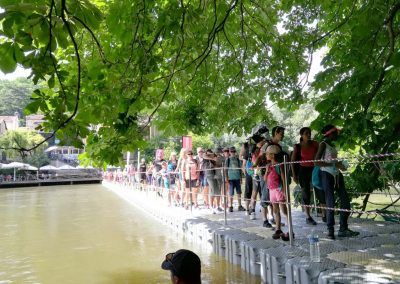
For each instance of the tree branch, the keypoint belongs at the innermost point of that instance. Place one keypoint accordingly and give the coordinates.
(101, 52)
(388, 22)
(78, 88)
(164, 94)
(337, 27)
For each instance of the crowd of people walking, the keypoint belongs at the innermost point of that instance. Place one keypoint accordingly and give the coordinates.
(212, 172)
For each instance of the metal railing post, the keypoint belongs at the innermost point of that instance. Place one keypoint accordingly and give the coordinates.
(190, 188)
(224, 194)
(289, 207)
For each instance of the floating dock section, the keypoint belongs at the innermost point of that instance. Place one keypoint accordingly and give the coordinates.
(371, 257)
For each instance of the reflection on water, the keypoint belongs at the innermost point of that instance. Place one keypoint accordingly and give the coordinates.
(86, 234)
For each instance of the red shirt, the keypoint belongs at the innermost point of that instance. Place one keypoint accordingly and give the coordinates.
(308, 153)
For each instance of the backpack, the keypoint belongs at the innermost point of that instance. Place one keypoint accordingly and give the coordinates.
(229, 161)
(288, 179)
(280, 159)
(316, 175)
(316, 178)
(249, 167)
(208, 168)
(296, 166)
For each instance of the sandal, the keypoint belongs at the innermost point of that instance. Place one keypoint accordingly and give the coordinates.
(285, 237)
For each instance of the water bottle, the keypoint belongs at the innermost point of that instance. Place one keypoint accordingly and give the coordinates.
(314, 247)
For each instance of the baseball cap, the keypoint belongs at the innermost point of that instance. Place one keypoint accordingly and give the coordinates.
(259, 129)
(232, 149)
(184, 264)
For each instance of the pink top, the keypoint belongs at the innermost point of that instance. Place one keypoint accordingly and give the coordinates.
(194, 174)
(273, 179)
(308, 154)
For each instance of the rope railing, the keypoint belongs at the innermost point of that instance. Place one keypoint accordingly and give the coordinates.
(351, 211)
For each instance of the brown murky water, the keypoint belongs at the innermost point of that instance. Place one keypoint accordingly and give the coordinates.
(86, 234)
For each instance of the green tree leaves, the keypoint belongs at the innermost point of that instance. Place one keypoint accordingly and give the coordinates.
(204, 66)
(8, 61)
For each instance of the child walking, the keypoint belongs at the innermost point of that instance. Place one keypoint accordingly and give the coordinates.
(275, 178)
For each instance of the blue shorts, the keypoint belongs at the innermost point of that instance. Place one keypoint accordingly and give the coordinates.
(234, 184)
(203, 181)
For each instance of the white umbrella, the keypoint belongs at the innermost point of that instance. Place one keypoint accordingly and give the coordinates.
(29, 168)
(66, 167)
(48, 167)
(15, 166)
(83, 167)
(52, 148)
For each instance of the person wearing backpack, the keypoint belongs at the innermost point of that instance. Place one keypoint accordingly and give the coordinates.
(278, 132)
(233, 174)
(332, 180)
(302, 172)
(276, 183)
(248, 154)
(212, 170)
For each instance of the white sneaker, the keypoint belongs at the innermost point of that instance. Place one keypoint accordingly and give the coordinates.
(253, 216)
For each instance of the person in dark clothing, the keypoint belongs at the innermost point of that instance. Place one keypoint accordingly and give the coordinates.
(304, 152)
(332, 180)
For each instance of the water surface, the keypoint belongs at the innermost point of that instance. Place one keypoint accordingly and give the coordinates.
(87, 234)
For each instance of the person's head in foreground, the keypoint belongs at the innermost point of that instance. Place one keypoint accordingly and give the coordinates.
(184, 265)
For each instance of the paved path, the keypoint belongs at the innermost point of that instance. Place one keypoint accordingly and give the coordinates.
(371, 257)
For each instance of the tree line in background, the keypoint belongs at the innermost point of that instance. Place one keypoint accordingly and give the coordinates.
(208, 66)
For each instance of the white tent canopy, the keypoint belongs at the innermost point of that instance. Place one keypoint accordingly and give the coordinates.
(18, 165)
(48, 167)
(83, 167)
(14, 165)
(29, 168)
(52, 148)
(66, 167)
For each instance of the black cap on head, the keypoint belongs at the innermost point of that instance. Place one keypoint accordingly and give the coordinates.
(184, 264)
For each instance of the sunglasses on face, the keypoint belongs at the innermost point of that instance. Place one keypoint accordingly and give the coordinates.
(190, 154)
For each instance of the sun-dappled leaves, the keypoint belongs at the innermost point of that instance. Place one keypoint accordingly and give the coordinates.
(109, 69)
